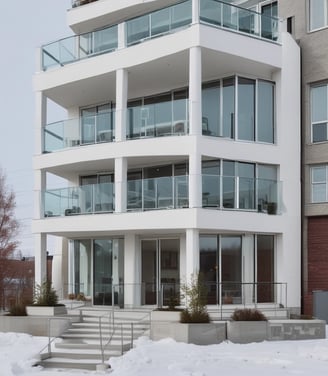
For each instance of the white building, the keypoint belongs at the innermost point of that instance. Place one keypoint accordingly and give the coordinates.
(181, 151)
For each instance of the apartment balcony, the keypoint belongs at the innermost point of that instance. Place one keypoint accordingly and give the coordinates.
(155, 24)
(86, 199)
(218, 192)
(241, 193)
(81, 131)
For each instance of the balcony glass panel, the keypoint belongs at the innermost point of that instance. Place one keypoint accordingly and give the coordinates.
(232, 17)
(77, 47)
(159, 193)
(159, 22)
(159, 119)
(86, 199)
(240, 193)
(89, 129)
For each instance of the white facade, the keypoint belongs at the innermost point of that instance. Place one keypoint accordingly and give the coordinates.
(167, 151)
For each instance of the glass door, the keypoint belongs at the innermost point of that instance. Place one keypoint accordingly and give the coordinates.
(160, 269)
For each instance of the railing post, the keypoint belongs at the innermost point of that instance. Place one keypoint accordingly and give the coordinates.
(122, 350)
(101, 341)
(49, 332)
(131, 335)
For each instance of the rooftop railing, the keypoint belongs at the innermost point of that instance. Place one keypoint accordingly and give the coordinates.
(77, 3)
(155, 24)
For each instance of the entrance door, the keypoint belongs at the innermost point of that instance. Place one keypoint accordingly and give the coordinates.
(108, 271)
(160, 270)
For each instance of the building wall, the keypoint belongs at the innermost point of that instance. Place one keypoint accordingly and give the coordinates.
(314, 52)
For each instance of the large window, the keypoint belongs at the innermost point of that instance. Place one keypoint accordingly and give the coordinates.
(319, 113)
(318, 14)
(319, 183)
(239, 108)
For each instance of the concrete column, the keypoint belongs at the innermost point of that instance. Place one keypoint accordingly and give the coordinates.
(195, 11)
(40, 241)
(121, 35)
(121, 104)
(195, 180)
(192, 253)
(40, 121)
(40, 183)
(195, 90)
(132, 287)
(121, 166)
(60, 267)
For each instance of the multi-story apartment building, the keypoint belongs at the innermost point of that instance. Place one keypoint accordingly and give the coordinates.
(308, 20)
(180, 150)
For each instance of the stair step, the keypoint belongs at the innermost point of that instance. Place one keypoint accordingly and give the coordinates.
(62, 363)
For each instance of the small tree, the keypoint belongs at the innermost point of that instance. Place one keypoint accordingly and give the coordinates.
(8, 231)
(45, 295)
(196, 299)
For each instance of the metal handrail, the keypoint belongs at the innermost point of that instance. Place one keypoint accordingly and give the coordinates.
(51, 340)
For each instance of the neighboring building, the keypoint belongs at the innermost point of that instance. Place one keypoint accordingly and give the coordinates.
(308, 20)
(181, 152)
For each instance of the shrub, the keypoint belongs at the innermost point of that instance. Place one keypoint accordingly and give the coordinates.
(196, 299)
(18, 310)
(247, 314)
(45, 295)
(81, 297)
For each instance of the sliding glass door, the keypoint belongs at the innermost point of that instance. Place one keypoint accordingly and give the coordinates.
(160, 270)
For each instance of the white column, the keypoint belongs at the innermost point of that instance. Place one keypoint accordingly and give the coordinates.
(60, 267)
(121, 35)
(132, 288)
(195, 90)
(40, 241)
(195, 180)
(195, 11)
(40, 120)
(40, 183)
(192, 253)
(121, 167)
(121, 104)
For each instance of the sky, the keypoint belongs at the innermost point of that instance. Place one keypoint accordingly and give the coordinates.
(24, 26)
(170, 358)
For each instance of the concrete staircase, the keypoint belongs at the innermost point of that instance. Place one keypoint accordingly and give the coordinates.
(82, 344)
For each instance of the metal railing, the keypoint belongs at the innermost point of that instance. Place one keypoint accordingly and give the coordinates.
(78, 3)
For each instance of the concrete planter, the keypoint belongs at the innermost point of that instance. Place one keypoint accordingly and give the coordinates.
(167, 316)
(280, 330)
(247, 331)
(46, 310)
(198, 334)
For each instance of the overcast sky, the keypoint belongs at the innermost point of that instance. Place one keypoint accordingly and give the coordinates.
(24, 26)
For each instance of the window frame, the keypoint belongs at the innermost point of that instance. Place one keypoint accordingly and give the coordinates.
(321, 121)
(325, 12)
(316, 183)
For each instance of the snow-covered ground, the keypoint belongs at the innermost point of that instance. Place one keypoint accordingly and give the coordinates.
(166, 357)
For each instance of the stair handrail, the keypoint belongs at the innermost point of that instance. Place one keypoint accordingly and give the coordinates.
(120, 326)
(102, 348)
(52, 339)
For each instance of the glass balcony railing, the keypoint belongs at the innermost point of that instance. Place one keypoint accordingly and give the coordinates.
(243, 20)
(229, 192)
(157, 23)
(78, 47)
(78, 3)
(86, 199)
(158, 193)
(74, 132)
(160, 119)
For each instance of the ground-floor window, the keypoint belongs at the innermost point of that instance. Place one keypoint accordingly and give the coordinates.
(97, 270)
(237, 269)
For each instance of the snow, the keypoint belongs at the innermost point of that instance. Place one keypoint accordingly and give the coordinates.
(166, 357)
